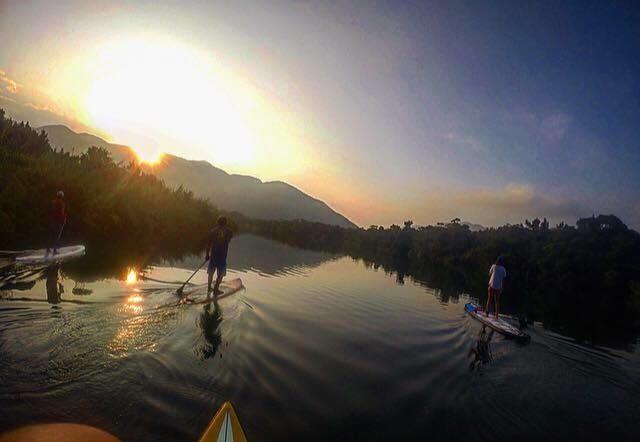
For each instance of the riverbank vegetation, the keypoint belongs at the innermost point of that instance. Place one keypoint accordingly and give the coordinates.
(108, 204)
(583, 279)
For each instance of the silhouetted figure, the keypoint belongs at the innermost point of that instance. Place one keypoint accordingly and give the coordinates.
(497, 273)
(217, 250)
(209, 322)
(482, 350)
(57, 221)
(54, 288)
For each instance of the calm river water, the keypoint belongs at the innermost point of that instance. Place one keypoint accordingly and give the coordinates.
(316, 347)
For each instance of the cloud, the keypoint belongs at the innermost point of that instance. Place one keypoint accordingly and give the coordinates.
(38, 107)
(516, 201)
(38, 115)
(513, 203)
(9, 84)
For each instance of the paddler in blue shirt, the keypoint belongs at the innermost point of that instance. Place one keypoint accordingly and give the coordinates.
(217, 250)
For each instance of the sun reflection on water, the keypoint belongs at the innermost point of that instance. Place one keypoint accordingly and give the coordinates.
(134, 304)
(132, 276)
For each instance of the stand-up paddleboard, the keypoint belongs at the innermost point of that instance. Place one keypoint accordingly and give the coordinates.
(227, 288)
(41, 257)
(499, 325)
(225, 427)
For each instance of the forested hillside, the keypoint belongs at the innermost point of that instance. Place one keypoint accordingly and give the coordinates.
(107, 203)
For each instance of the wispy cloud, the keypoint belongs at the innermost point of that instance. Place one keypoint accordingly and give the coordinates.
(8, 84)
(18, 107)
(38, 107)
(510, 204)
(520, 200)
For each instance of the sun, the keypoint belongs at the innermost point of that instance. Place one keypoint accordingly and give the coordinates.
(158, 94)
(149, 159)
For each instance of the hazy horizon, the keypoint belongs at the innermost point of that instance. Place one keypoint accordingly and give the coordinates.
(492, 114)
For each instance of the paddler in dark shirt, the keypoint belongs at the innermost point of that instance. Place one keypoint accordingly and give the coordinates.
(57, 220)
(217, 249)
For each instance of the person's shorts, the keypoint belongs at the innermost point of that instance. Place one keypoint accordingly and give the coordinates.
(494, 292)
(220, 267)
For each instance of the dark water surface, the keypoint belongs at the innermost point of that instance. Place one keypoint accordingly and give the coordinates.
(316, 348)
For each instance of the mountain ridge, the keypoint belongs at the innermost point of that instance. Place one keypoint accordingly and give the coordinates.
(271, 200)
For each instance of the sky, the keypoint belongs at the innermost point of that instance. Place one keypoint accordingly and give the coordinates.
(387, 111)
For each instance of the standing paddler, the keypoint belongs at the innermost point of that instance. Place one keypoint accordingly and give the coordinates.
(57, 221)
(497, 273)
(217, 250)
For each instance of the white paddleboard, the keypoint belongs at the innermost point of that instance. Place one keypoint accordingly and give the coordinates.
(498, 324)
(41, 257)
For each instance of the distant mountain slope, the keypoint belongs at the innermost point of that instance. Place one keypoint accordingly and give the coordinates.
(62, 137)
(241, 193)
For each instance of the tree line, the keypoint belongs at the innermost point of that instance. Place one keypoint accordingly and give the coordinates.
(582, 279)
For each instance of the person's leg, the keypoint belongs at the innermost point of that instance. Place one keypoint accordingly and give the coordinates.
(497, 298)
(57, 233)
(216, 288)
(222, 271)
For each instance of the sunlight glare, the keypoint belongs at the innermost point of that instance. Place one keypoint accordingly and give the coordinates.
(150, 160)
(168, 92)
(132, 276)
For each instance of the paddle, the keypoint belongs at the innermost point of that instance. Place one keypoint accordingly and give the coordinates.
(179, 291)
(64, 223)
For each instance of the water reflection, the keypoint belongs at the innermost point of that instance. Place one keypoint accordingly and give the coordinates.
(209, 322)
(133, 304)
(80, 289)
(55, 289)
(323, 340)
(481, 352)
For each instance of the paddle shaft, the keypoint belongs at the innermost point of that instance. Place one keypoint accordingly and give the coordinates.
(192, 275)
(64, 223)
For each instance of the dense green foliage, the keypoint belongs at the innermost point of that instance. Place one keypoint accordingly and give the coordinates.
(584, 279)
(108, 204)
